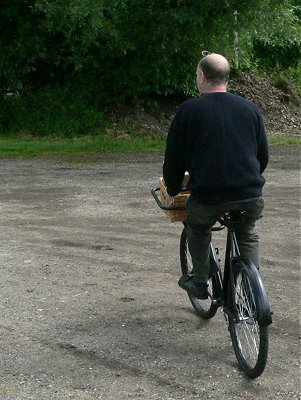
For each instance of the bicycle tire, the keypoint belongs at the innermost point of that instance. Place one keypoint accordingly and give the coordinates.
(204, 308)
(249, 337)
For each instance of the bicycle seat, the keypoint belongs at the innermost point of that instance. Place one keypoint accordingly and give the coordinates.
(234, 217)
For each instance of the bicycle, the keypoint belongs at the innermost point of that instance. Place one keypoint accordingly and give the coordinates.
(238, 290)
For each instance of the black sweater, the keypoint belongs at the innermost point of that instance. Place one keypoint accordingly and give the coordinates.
(219, 138)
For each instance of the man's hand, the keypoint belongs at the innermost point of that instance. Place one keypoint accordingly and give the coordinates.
(185, 180)
(169, 201)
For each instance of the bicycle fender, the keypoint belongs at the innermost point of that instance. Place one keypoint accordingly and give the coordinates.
(261, 298)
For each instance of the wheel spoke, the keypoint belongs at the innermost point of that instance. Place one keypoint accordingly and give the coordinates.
(188, 259)
(247, 329)
(205, 308)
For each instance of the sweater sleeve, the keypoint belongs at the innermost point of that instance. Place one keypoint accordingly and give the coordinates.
(262, 142)
(174, 161)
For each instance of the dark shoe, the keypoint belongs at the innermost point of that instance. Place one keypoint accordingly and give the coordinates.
(196, 289)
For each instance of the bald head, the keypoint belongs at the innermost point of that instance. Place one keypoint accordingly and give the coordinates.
(215, 68)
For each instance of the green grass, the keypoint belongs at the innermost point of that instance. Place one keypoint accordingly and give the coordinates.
(285, 140)
(91, 146)
(29, 147)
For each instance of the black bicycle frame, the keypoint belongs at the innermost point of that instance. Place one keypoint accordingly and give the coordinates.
(223, 299)
(228, 296)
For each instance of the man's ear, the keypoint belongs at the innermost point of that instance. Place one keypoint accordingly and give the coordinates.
(197, 77)
(202, 77)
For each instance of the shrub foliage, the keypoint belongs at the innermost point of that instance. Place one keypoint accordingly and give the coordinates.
(62, 55)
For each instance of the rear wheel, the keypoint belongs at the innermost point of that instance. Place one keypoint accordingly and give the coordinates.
(249, 338)
(204, 308)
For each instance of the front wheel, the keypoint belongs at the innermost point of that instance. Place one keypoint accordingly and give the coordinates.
(204, 308)
(248, 334)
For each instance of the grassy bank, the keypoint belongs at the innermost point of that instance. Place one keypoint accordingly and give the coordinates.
(29, 147)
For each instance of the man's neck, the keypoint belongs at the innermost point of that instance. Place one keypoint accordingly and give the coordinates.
(214, 89)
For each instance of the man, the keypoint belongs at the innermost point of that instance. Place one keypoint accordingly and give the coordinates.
(219, 138)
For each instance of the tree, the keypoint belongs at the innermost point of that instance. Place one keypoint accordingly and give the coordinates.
(118, 50)
(133, 46)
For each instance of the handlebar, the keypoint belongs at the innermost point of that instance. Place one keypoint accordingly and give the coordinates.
(168, 208)
(175, 208)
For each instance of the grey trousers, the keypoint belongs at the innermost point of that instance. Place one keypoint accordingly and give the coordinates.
(199, 222)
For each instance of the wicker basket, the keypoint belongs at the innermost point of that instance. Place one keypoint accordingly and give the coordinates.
(178, 201)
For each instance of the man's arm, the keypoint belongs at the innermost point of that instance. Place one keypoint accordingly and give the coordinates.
(263, 147)
(174, 161)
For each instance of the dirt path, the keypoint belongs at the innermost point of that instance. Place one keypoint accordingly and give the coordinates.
(90, 307)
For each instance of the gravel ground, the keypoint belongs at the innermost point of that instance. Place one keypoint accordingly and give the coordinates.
(89, 299)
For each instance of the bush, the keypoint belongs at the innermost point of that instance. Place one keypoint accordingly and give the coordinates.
(281, 56)
(50, 111)
(83, 55)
